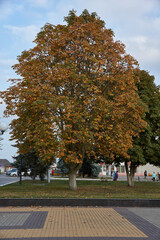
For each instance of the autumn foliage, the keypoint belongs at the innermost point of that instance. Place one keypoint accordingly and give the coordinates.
(77, 90)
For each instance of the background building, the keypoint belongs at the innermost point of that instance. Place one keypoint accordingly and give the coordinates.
(4, 165)
(107, 169)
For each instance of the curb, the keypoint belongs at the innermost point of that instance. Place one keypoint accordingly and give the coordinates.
(59, 202)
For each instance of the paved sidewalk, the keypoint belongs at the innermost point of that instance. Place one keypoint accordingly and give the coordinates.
(79, 223)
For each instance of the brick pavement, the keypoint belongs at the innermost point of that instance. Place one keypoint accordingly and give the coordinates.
(75, 223)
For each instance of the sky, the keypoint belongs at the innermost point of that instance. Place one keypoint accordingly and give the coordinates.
(136, 23)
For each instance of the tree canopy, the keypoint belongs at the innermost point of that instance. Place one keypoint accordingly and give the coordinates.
(145, 148)
(77, 90)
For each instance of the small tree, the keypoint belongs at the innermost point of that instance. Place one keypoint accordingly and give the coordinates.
(31, 161)
(89, 167)
(63, 167)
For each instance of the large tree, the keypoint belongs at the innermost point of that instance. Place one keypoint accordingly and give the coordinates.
(77, 90)
(146, 147)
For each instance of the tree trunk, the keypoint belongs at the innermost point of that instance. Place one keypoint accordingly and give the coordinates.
(48, 175)
(72, 181)
(73, 168)
(130, 180)
(33, 177)
(130, 173)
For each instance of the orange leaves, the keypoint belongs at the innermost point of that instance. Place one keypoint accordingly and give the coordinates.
(77, 91)
(72, 157)
(110, 127)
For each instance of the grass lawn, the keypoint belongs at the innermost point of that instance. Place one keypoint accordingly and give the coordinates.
(86, 189)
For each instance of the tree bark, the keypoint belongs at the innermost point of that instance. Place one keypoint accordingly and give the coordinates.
(130, 173)
(48, 175)
(131, 180)
(72, 181)
(73, 168)
(33, 177)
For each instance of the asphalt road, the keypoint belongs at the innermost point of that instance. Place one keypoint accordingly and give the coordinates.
(5, 180)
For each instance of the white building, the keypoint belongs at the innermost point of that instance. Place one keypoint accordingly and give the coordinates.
(106, 169)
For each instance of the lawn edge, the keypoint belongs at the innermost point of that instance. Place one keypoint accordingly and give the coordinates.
(80, 202)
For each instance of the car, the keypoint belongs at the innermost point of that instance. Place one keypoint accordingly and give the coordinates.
(13, 172)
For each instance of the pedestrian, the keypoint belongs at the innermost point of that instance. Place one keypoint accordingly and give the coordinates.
(153, 177)
(145, 174)
(114, 174)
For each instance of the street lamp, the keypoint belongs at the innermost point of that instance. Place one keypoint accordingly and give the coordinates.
(3, 128)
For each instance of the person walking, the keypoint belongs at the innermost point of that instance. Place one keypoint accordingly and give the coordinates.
(153, 177)
(115, 176)
(145, 174)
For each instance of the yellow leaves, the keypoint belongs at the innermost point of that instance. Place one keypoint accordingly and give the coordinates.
(68, 126)
(108, 138)
(100, 70)
(67, 115)
(100, 137)
(87, 48)
(72, 157)
(110, 127)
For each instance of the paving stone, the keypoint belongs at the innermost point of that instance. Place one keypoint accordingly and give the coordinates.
(150, 214)
(22, 220)
(78, 223)
(13, 219)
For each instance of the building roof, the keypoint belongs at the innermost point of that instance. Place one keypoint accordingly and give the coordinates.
(4, 163)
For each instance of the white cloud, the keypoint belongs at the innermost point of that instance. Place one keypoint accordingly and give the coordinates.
(39, 3)
(6, 73)
(7, 62)
(137, 24)
(27, 33)
(9, 7)
(141, 40)
(156, 23)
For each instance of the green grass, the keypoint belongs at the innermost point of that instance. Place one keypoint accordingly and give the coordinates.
(86, 189)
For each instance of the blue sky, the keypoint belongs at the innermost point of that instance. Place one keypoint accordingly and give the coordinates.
(135, 22)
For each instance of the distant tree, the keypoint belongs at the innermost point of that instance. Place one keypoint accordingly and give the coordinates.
(146, 147)
(95, 170)
(31, 161)
(63, 167)
(90, 169)
(77, 90)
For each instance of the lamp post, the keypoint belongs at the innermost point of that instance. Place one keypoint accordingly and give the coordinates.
(20, 172)
(3, 128)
